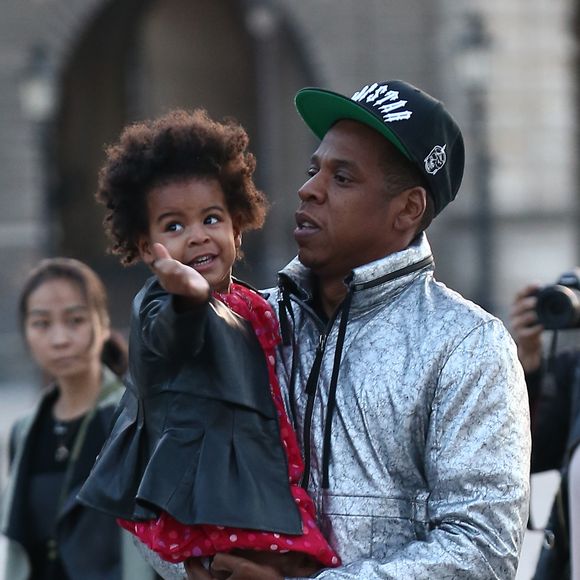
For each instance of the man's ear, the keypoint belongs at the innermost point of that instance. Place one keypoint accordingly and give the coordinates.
(413, 205)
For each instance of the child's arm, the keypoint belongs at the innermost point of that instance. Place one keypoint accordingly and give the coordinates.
(188, 286)
(172, 314)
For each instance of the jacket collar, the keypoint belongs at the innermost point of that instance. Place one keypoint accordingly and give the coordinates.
(372, 283)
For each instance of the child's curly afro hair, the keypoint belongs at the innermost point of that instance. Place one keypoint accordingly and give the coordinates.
(177, 146)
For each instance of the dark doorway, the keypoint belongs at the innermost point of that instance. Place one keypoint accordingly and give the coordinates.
(138, 59)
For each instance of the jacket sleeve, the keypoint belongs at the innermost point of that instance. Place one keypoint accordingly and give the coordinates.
(12, 443)
(166, 331)
(477, 458)
(17, 436)
(551, 401)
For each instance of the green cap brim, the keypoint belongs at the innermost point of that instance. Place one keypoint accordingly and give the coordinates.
(321, 109)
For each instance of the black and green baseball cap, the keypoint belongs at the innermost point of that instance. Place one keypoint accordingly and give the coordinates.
(417, 124)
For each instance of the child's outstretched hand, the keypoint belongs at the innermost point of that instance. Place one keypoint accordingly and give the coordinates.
(177, 278)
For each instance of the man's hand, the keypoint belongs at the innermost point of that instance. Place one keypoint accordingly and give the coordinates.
(231, 567)
(526, 330)
(253, 565)
(177, 278)
(196, 571)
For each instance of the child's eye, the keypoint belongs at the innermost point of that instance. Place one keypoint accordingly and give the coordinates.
(211, 220)
(173, 227)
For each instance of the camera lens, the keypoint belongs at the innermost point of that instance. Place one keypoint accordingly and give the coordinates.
(558, 307)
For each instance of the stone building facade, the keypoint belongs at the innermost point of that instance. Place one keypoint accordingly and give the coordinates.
(73, 72)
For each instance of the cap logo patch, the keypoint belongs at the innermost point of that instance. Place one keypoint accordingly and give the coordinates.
(386, 102)
(436, 159)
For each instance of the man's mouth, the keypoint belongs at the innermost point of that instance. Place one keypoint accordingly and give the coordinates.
(305, 222)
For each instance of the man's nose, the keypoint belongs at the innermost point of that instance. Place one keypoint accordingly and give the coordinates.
(313, 189)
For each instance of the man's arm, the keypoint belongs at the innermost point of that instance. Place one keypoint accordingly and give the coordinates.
(477, 456)
(259, 566)
(477, 468)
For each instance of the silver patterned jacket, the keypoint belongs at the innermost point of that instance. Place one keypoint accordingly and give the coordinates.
(414, 423)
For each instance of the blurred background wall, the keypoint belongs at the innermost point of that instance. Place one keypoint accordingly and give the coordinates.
(74, 72)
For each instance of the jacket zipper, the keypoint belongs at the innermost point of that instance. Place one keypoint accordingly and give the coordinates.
(312, 382)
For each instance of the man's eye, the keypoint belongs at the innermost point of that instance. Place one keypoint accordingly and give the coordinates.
(312, 171)
(341, 178)
(39, 324)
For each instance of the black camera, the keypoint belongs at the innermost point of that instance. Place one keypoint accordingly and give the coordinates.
(558, 305)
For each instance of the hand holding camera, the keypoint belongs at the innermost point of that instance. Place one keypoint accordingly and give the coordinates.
(526, 328)
(558, 305)
(537, 308)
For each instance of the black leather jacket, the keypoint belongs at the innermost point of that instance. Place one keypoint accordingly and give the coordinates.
(197, 434)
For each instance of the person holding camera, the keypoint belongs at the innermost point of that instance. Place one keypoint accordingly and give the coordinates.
(553, 381)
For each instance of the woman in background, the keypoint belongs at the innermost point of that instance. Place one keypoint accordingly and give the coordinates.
(51, 536)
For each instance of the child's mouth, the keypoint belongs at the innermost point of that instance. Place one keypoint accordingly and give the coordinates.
(202, 261)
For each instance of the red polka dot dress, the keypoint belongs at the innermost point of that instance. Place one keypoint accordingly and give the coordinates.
(176, 542)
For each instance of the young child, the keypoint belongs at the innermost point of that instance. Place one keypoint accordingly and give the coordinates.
(202, 457)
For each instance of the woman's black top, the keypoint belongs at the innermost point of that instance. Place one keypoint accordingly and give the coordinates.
(50, 445)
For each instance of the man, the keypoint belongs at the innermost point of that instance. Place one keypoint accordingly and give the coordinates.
(408, 400)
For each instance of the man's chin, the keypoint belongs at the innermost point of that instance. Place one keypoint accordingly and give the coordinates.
(306, 260)
(309, 261)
